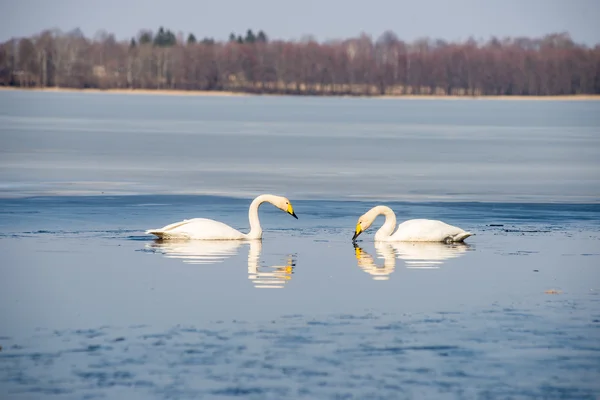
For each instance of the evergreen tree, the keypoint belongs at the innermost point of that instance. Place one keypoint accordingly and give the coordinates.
(164, 38)
(146, 38)
(191, 39)
(261, 37)
(250, 38)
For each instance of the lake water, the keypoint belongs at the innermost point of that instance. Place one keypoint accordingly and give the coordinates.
(305, 147)
(90, 307)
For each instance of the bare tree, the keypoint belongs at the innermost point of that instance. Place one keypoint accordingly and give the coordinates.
(550, 65)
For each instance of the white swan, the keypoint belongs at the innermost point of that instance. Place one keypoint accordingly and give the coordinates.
(208, 229)
(413, 230)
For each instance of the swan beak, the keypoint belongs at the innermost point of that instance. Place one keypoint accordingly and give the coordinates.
(290, 211)
(357, 232)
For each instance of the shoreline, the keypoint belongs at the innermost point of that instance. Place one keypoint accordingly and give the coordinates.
(215, 93)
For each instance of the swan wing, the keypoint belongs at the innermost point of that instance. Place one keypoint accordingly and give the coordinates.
(428, 230)
(198, 228)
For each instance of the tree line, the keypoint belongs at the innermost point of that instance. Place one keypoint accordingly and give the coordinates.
(251, 62)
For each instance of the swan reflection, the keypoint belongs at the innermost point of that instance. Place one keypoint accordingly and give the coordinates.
(268, 277)
(367, 264)
(216, 251)
(414, 254)
(197, 251)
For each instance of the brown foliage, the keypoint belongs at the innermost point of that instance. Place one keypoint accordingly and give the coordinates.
(552, 65)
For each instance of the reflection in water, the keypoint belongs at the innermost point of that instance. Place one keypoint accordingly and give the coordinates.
(428, 254)
(216, 251)
(268, 277)
(414, 254)
(197, 251)
(367, 264)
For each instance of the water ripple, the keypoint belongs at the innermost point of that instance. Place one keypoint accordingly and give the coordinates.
(367, 356)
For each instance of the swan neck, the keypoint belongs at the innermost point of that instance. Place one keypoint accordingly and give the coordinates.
(388, 226)
(255, 228)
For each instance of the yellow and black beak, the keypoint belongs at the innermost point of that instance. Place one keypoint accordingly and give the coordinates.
(357, 232)
(290, 210)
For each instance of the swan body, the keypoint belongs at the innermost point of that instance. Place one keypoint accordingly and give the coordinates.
(413, 230)
(208, 229)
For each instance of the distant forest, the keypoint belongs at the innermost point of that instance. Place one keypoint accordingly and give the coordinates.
(251, 62)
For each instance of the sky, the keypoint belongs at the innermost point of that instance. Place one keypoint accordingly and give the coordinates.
(451, 20)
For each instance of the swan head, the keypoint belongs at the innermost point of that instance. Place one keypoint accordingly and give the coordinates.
(364, 223)
(284, 204)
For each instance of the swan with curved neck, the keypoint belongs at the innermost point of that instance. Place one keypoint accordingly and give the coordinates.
(208, 229)
(413, 230)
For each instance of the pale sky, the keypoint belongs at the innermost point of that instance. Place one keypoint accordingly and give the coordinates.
(324, 19)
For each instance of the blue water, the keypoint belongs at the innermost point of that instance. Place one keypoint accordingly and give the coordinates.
(91, 307)
(309, 148)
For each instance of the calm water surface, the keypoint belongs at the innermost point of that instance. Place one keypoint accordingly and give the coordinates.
(308, 148)
(90, 307)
